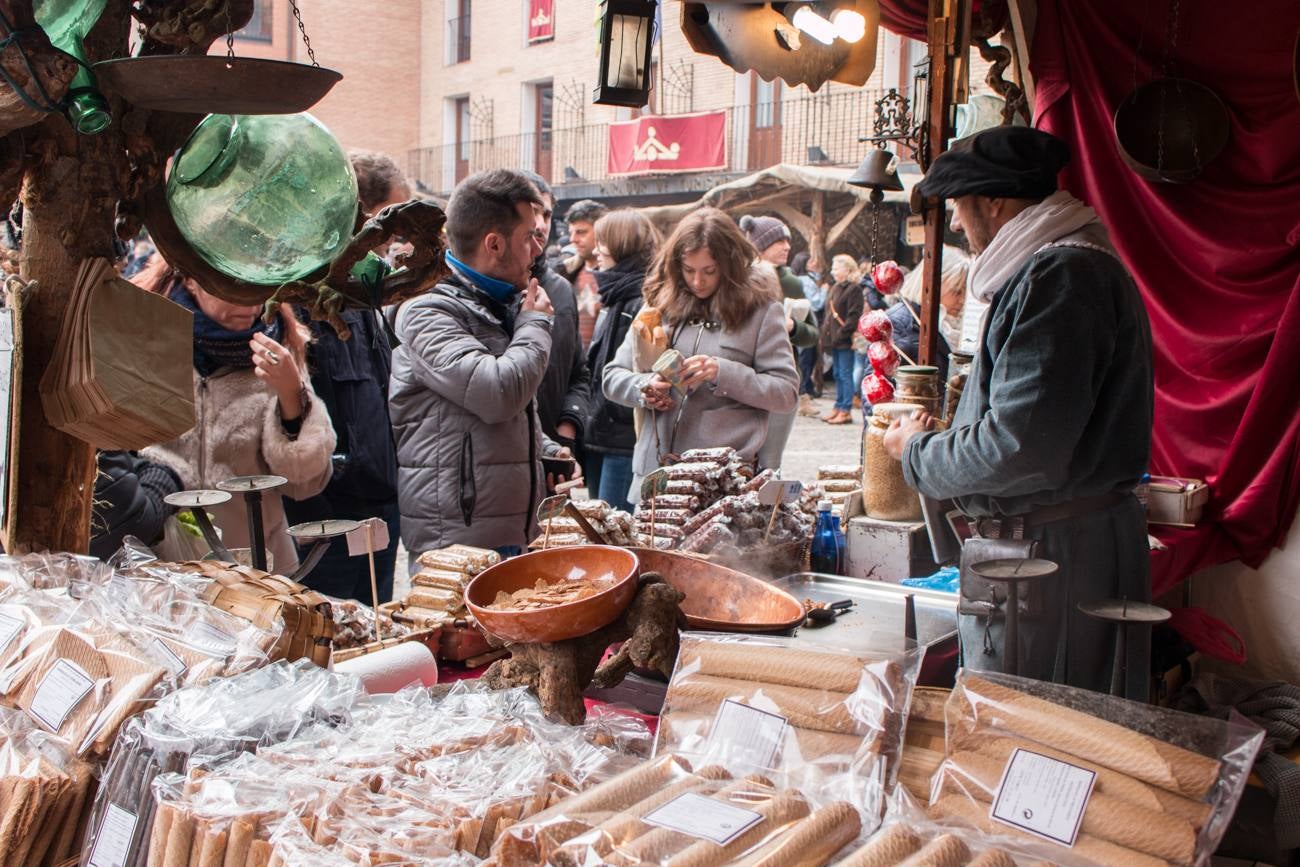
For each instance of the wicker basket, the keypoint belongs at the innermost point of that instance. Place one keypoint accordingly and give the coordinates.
(428, 637)
(268, 601)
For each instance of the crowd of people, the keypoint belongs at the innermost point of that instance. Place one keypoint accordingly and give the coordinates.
(526, 371)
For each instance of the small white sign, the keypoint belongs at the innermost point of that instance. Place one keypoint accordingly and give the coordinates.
(780, 491)
(62, 689)
(209, 640)
(379, 537)
(113, 842)
(1043, 796)
(168, 657)
(747, 735)
(706, 818)
(10, 627)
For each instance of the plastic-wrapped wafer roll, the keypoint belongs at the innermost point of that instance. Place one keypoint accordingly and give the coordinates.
(179, 839)
(943, 851)
(787, 665)
(259, 854)
(237, 846)
(67, 839)
(196, 841)
(213, 851)
(953, 806)
(810, 843)
(887, 849)
(1122, 822)
(658, 844)
(987, 705)
(777, 811)
(1110, 783)
(816, 709)
(625, 789)
(993, 858)
(162, 826)
(812, 744)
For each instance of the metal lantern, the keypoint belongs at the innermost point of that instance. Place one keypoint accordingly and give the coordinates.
(626, 38)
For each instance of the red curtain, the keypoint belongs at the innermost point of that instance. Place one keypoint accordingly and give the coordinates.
(1217, 260)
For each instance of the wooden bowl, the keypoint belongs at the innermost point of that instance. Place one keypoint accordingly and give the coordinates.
(723, 599)
(616, 567)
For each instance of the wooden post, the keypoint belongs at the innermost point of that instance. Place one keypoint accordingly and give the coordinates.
(944, 19)
(817, 243)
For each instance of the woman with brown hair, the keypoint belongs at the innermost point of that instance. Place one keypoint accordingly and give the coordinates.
(724, 315)
(254, 408)
(626, 243)
(844, 305)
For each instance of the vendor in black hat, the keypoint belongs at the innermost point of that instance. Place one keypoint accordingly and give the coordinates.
(1054, 426)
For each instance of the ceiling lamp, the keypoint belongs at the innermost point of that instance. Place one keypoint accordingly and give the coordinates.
(810, 22)
(626, 38)
(849, 25)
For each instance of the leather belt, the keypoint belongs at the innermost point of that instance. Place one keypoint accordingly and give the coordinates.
(1015, 526)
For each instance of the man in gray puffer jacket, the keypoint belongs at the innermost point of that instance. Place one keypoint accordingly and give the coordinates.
(464, 381)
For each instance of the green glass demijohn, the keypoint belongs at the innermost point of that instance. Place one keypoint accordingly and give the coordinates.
(66, 23)
(263, 198)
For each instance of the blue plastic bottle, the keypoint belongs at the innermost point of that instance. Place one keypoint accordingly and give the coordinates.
(828, 542)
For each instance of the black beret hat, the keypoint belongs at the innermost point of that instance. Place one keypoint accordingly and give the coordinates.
(1015, 162)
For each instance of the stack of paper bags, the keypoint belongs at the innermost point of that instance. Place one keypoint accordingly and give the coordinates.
(120, 375)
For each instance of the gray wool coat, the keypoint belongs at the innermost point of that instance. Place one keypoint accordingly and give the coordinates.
(756, 377)
(468, 438)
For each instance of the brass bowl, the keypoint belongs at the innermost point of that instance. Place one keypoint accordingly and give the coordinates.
(616, 567)
(216, 84)
(722, 599)
(1169, 129)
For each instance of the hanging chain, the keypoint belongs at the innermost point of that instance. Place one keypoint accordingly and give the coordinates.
(230, 35)
(875, 225)
(302, 28)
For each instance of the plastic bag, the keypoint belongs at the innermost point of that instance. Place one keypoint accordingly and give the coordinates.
(1124, 783)
(668, 812)
(905, 843)
(828, 723)
(199, 727)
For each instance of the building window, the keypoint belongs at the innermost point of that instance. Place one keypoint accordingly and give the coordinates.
(258, 28)
(458, 32)
(461, 147)
(543, 127)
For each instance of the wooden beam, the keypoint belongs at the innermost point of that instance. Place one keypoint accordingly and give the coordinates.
(797, 219)
(1023, 15)
(817, 241)
(847, 220)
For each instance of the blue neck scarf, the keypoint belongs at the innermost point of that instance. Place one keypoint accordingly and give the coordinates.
(215, 346)
(499, 290)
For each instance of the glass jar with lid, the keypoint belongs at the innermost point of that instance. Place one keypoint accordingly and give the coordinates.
(885, 494)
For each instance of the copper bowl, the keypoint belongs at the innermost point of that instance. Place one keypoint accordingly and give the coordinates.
(616, 567)
(1169, 129)
(723, 599)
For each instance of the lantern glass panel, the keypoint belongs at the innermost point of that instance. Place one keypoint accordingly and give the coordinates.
(627, 40)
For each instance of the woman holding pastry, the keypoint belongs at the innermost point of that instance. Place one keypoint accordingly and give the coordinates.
(724, 316)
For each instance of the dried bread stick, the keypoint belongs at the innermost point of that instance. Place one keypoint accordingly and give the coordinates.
(1111, 783)
(960, 807)
(993, 858)
(943, 851)
(1122, 822)
(776, 812)
(810, 843)
(984, 705)
(890, 847)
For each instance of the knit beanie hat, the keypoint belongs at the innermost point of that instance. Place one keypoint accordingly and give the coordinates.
(763, 232)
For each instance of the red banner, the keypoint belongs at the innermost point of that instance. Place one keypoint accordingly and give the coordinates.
(541, 20)
(661, 145)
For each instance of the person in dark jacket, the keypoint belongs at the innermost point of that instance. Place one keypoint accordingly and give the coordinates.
(839, 321)
(128, 501)
(564, 399)
(626, 243)
(351, 379)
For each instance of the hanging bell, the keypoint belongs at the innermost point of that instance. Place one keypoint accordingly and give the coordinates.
(878, 171)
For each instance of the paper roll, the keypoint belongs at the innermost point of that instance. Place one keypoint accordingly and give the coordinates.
(393, 668)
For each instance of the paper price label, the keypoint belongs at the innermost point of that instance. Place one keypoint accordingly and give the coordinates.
(359, 545)
(10, 627)
(168, 658)
(552, 507)
(1043, 796)
(62, 689)
(113, 842)
(654, 484)
(706, 818)
(779, 491)
(747, 735)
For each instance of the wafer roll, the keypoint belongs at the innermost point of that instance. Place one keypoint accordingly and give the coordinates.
(952, 806)
(987, 705)
(259, 854)
(785, 665)
(179, 839)
(1121, 822)
(776, 812)
(888, 848)
(196, 841)
(812, 745)
(658, 844)
(1110, 783)
(993, 858)
(20, 798)
(943, 851)
(810, 843)
(55, 816)
(241, 838)
(212, 852)
(82, 782)
(162, 826)
(806, 708)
